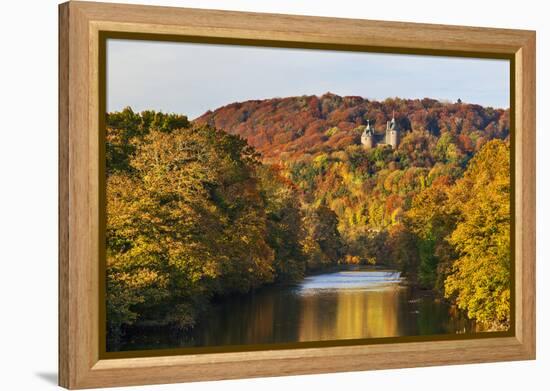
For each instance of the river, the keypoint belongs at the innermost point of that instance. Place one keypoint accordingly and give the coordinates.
(362, 302)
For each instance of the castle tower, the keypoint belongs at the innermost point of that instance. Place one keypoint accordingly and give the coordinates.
(392, 133)
(367, 138)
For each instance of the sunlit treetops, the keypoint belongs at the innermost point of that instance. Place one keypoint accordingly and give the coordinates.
(290, 127)
(265, 191)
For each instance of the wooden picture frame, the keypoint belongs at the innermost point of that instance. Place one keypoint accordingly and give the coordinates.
(80, 27)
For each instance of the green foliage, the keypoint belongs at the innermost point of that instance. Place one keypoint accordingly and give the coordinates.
(284, 224)
(403, 208)
(185, 222)
(322, 243)
(427, 269)
(126, 128)
(193, 213)
(431, 221)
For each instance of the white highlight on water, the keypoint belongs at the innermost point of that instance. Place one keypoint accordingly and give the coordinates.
(372, 280)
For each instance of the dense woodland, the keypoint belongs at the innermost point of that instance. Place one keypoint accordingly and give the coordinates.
(268, 191)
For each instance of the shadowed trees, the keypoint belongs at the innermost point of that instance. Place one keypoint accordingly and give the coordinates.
(194, 212)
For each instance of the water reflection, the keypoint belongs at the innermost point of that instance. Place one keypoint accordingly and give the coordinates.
(360, 303)
(347, 305)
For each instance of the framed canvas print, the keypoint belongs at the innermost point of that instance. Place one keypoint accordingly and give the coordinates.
(247, 195)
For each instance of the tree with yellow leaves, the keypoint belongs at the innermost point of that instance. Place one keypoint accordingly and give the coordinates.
(480, 277)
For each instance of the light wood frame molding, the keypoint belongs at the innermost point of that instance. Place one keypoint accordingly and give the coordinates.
(80, 24)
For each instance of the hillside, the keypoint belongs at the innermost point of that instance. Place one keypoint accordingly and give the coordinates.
(289, 127)
(194, 213)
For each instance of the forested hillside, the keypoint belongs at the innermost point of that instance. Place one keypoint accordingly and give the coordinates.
(265, 191)
(289, 127)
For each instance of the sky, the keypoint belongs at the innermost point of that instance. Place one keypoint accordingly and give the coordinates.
(191, 79)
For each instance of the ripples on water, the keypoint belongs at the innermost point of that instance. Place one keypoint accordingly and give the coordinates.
(356, 280)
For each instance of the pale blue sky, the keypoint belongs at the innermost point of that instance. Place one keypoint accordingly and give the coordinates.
(193, 78)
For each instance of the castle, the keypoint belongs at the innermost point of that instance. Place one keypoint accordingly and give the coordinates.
(370, 140)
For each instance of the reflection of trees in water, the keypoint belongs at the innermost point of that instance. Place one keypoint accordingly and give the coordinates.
(268, 316)
(286, 314)
(429, 315)
(351, 314)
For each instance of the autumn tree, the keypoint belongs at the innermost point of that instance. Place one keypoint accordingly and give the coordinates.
(185, 222)
(480, 278)
(430, 219)
(322, 243)
(194, 212)
(284, 223)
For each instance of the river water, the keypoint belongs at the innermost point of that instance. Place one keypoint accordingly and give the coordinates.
(363, 302)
